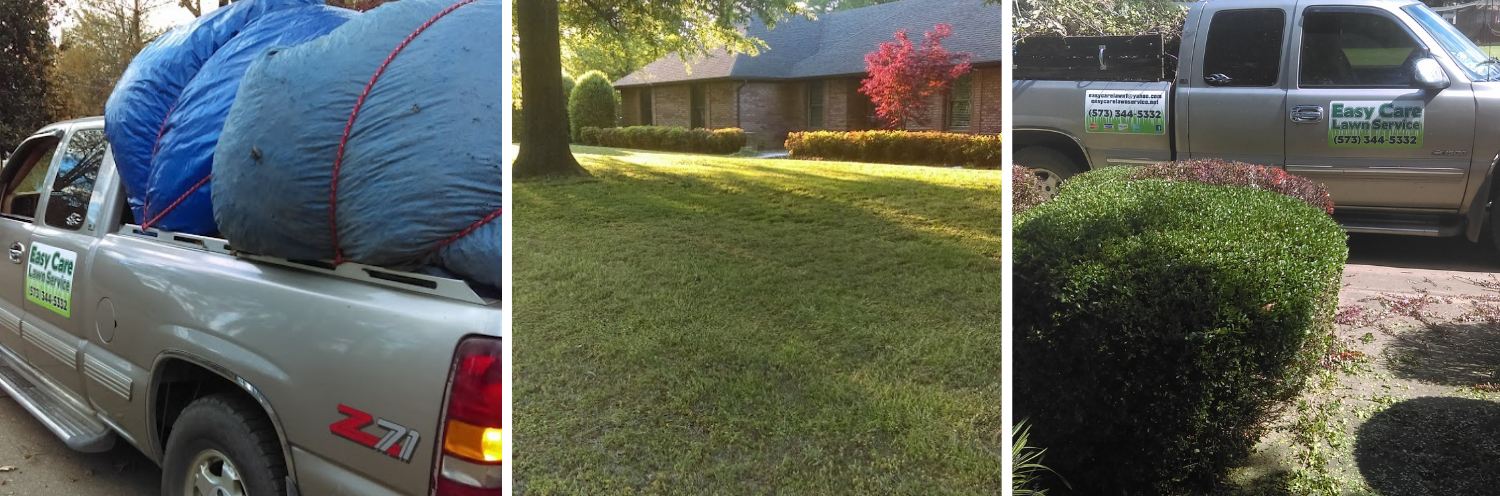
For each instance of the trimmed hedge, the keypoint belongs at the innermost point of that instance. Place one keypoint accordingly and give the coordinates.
(667, 139)
(592, 104)
(1025, 190)
(898, 147)
(1161, 325)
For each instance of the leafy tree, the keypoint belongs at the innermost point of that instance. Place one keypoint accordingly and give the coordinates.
(592, 103)
(904, 77)
(614, 54)
(687, 27)
(1097, 17)
(95, 51)
(25, 52)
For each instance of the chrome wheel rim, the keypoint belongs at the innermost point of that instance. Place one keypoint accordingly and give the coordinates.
(212, 474)
(1050, 181)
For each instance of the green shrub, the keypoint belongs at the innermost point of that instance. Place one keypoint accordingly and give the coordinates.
(1025, 190)
(898, 147)
(592, 104)
(1161, 325)
(1026, 468)
(567, 91)
(668, 139)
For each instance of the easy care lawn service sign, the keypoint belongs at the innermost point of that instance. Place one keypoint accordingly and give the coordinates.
(1133, 112)
(49, 278)
(1376, 124)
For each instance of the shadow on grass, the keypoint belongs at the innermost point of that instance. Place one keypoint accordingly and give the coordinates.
(1459, 355)
(1432, 445)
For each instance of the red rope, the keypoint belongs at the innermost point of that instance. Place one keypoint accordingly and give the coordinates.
(174, 204)
(333, 193)
(470, 229)
(155, 146)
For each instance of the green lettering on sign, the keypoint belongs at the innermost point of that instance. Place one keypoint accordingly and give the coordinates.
(1376, 124)
(49, 278)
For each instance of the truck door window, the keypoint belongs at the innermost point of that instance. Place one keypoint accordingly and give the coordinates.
(23, 184)
(1244, 48)
(74, 184)
(1356, 49)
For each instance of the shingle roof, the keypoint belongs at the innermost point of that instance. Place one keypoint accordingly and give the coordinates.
(836, 43)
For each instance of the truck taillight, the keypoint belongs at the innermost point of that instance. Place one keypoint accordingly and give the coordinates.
(469, 464)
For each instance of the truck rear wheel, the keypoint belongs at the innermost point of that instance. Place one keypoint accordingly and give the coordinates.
(222, 445)
(1051, 166)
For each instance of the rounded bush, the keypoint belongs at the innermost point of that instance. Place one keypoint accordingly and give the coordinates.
(1160, 325)
(592, 103)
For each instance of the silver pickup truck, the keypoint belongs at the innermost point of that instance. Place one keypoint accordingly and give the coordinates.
(238, 374)
(1381, 101)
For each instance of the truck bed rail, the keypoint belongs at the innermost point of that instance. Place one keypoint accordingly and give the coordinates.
(407, 281)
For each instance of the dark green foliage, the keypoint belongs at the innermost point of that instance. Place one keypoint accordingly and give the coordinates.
(567, 87)
(1160, 325)
(592, 104)
(25, 51)
(667, 139)
(898, 147)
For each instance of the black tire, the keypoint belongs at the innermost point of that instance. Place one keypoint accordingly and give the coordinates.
(1051, 166)
(235, 428)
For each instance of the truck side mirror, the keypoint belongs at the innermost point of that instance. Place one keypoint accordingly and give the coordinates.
(1429, 75)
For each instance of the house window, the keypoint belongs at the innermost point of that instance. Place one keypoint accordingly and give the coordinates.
(646, 116)
(961, 102)
(699, 107)
(815, 104)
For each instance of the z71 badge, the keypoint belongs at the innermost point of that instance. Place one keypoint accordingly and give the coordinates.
(398, 442)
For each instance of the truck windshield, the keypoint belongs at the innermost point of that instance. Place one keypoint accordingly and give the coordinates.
(1481, 67)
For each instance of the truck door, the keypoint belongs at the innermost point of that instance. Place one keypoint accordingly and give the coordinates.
(1358, 123)
(22, 179)
(57, 310)
(1231, 87)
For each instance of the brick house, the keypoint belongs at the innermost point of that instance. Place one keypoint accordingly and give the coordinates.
(808, 76)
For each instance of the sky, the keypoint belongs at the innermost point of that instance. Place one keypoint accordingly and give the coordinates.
(166, 17)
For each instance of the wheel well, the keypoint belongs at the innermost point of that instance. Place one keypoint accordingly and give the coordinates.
(178, 384)
(1054, 140)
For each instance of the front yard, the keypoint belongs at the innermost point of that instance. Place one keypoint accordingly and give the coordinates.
(692, 324)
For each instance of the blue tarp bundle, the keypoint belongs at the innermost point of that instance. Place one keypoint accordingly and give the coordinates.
(146, 92)
(185, 153)
(419, 181)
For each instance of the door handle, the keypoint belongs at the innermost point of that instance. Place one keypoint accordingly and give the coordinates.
(16, 250)
(1102, 67)
(1307, 114)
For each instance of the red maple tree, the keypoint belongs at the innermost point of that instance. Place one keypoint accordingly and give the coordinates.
(904, 78)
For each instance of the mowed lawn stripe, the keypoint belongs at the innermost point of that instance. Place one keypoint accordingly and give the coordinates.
(690, 324)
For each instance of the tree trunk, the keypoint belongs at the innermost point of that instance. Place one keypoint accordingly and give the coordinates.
(543, 108)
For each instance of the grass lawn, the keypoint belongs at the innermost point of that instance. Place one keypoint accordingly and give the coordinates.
(690, 324)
